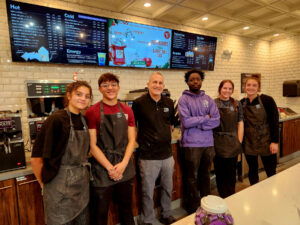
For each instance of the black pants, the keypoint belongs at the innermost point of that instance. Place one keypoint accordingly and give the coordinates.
(225, 169)
(101, 198)
(196, 175)
(269, 163)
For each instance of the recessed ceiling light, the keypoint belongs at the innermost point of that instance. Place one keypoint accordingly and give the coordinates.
(147, 4)
(205, 18)
(275, 35)
(246, 28)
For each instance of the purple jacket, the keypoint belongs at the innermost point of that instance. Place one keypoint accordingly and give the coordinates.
(196, 125)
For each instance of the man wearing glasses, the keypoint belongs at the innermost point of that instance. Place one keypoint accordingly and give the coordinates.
(112, 140)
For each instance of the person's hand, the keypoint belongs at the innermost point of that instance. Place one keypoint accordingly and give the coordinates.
(274, 148)
(120, 168)
(112, 174)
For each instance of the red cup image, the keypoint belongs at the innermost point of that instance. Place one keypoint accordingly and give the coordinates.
(148, 61)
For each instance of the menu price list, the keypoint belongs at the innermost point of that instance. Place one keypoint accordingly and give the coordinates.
(52, 35)
(192, 51)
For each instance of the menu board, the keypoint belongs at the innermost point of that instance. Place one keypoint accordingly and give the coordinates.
(138, 45)
(42, 34)
(193, 51)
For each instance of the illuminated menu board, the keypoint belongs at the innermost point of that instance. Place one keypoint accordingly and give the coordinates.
(138, 45)
(42, 34)
(193, 51)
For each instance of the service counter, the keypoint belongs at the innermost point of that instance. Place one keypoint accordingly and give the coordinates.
(273, 201)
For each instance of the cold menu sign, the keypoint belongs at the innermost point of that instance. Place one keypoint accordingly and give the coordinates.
(193, 51)
(44, 34)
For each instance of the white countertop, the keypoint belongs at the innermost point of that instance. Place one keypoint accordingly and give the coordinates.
(274, 201)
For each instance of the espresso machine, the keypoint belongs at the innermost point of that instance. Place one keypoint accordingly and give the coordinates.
(43, 97)
(12, 154)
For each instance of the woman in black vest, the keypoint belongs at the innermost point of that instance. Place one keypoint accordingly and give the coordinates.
(227, 139)
(261, 129)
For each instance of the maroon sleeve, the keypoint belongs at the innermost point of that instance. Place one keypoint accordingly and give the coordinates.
(93, 115)
(129, 112)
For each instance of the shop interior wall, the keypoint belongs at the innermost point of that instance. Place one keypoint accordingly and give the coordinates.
(248, 56)
(285, 57)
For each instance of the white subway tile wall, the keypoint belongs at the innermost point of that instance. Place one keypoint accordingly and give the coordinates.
(276, 61)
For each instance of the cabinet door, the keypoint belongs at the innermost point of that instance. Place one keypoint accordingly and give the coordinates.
(297, 135)
(30, 200)
(289, 137)
(8, 203)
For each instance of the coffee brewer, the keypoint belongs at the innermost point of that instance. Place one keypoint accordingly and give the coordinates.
(43, 98)
(12, 154)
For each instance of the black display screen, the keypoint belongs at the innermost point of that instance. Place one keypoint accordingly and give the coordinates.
(42, 34)
(193, 51)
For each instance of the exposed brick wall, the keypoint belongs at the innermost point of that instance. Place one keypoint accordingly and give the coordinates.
(248, 55)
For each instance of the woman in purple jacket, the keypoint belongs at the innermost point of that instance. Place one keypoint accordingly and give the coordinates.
(199, 115)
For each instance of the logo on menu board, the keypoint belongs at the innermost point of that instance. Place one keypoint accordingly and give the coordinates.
(167, 34)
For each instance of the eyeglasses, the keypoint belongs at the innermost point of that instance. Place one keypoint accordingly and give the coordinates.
(106, 85)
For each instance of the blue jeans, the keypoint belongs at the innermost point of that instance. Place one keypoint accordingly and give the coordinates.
(150, 170)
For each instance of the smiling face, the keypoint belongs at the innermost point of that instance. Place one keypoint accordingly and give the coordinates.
(109, 90)
(252, 87)
(156, 85)
(79, 99)
(226, 91)
(195, 82)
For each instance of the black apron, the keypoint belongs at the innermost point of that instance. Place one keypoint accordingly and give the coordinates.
(226, 141)
(257, 137)
(112, 139)
(68, 193)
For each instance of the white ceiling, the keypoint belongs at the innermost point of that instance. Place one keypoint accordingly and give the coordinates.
(263, 17)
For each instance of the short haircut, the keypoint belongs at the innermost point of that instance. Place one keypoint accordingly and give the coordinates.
(188, 74)
(108, 77)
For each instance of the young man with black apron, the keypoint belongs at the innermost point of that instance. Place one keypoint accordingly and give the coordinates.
(261, 130)
(112, 133)
(59, 160)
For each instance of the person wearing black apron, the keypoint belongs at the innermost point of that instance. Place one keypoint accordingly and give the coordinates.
(261, 130)
(59, 160)
(227, 139)
(112, 131)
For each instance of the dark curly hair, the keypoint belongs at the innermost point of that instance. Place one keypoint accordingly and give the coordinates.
(74, 86)
(188, 74)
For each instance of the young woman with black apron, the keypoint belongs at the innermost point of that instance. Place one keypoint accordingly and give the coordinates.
(261, 130)
(227, 139)
(59, 160)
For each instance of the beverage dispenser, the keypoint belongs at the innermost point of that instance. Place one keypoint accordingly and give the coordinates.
(12, 154)
(43, 97)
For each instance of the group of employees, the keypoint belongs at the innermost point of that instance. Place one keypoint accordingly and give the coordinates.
(77, 189)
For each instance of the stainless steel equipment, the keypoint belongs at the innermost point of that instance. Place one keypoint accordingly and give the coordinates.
(43, 98)
(12, 154)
